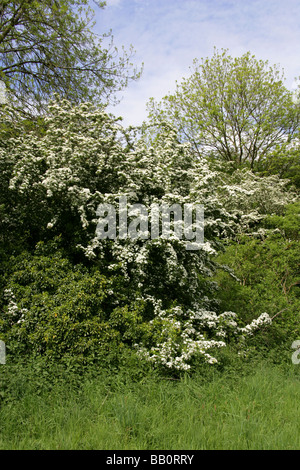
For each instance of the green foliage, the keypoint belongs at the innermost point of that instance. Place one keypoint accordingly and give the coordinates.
(230, 109)
(268, 278)
(285, 162)
(49, 47)
(288, 223)
(53, 309)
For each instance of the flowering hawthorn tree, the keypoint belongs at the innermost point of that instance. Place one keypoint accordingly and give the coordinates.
(52, 184)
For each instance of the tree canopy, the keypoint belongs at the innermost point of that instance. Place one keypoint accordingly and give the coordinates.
(49, 46)
(231, 109)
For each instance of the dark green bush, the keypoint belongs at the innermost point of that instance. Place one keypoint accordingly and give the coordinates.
(269, 280)
(54, 309)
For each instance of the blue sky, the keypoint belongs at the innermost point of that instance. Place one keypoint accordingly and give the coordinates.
(168, 34)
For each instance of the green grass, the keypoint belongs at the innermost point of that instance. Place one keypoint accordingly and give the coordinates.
(230, 410)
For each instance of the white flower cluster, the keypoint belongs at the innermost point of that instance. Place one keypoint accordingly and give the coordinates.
(251, 197)
(183, 339)
(263, 319)
(15, 313)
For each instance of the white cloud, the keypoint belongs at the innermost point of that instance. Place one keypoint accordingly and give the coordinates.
(169, 34)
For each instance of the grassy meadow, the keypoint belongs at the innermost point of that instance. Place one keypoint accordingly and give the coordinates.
(251, 407)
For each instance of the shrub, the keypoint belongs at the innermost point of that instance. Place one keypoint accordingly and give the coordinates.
(71, 294)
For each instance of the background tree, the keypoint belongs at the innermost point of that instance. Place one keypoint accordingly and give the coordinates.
(48, 46)
(234, 109)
